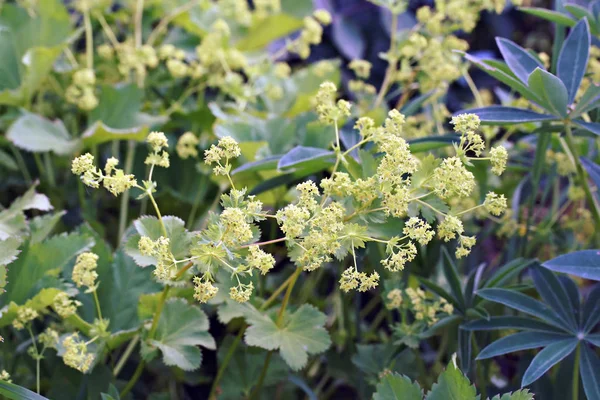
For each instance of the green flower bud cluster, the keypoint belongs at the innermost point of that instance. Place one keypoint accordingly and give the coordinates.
(81, 91)
(113, 179)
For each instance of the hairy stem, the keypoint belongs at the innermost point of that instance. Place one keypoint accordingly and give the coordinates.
(97, 304)
(89, 40)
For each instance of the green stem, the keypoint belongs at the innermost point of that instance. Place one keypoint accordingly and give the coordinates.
(133, 380)
(199, 196)
(97, 304)
(89, 39)
(581, 176)
(37, 358)
(391, 69)
(126, 354)
(473, 88)
(263, 374)
(124, 209)
(162, 225)
(139, 12)
(21, 163)
(575, 389)
(226, 360)
(49, 169)
(39, 165)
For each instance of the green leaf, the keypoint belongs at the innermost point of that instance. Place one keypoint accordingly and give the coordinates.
(34, 133)
(244, 370)
(302, 333)
(551, 91)
(265, 164)
(593, 127)
(149, 226)
(9, 250)
(264, 31)
(520, 341)
(113, 393)
(99, 133)
(547, 358)
(500, 115)
(451, 274)
(435, 288)
(15, 392)
(7, 161)
(500, 71)
(591, 310)
(521, 63)
(40, 301)
(573, 58)
(40, 227)
(553, 293)
(420, 145)
(509, 322)
(465, 349)
(397, 387)
(550, 15)
(584, 263)
(588, 101)
(12, 219)
(589, 365)
(303, 157)
(523, 394)
(180, 329)
(121, 285)
(523, 303)
(414, 105)
(581, 13)
(39, 259)
(452, 384)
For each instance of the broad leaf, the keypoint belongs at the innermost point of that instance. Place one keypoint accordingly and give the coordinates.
(551, 91)
(9, 250)
(523, 394)
(591, 310)
(589, 365)
(588, 101)
(180, 238)
(452, 384)
(451, 274)
(39, 259)
(40, 301)
(573, 58)
(521, 63)
(266, 30)
(181, 328)
(99, 133)
(584, 263)
(547, 358)
(520, 341)
(301, 334)
(397, 387)
(500, 115)
(34, 133)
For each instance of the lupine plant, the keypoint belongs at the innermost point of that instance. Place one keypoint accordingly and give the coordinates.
(198, 205)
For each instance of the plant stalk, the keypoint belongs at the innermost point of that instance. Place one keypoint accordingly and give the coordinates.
(575, 390)
(391, 69)
(124, 209)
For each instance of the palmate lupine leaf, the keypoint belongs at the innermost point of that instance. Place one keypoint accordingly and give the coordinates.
(551, 91)
(573, 58)
(591, 310)
(584, 263)
(547, 358)
(520, 61)
(15, 392)
(501, 115)
(520, 341)
(554, 294)
(589, 365)
(510, 322)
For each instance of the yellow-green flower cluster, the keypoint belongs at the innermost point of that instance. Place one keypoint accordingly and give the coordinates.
(84, 271)
(398, 254)
(498, 158)
(418, 230)
(49, 338)
(394, 299)
(187, 145)
(452, 179)
(5, 376)
(495, 204)
(204, 290)
(425, 309)
(64, 305)
(24, 316)
(76, 353)
(160, 249)
(242, 292)
(311, 33)
(329, 111)
(221, 154)
(260, 260)
(113, 179)
(353, 279)
(158, 144)
(81, 91)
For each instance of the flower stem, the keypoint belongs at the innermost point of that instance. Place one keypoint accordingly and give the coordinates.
(97, 304)
(282, 239)
(126, 354)
(21, 163)
(125, 196)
